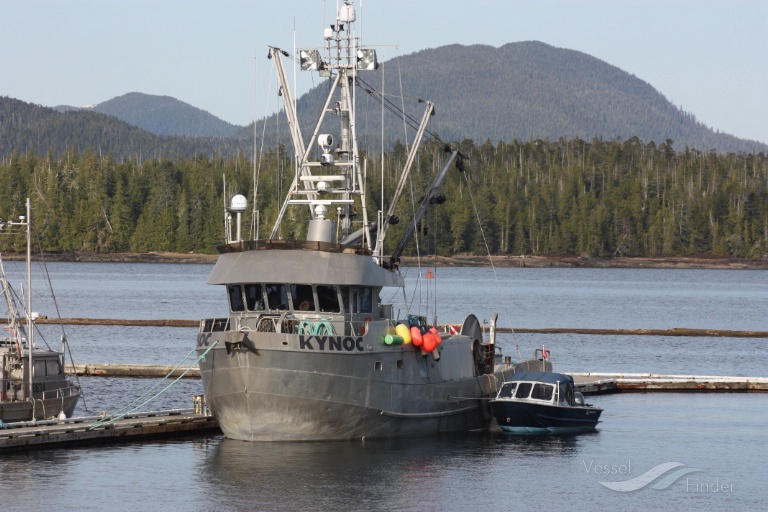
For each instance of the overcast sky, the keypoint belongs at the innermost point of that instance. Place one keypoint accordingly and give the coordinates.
(709, 57)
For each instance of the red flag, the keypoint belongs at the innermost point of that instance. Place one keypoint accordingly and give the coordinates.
(544, 352)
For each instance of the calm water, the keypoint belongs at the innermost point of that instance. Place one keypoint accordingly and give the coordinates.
(721, 436)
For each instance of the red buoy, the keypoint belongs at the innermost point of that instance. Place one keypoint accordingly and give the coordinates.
(436, 334)
(416, 337)
(430, 342)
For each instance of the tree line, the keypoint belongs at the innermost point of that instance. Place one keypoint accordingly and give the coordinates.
(593, 198)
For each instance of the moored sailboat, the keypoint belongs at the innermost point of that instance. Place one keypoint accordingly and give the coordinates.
(309, 351)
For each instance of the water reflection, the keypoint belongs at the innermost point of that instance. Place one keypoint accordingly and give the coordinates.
(372, 473)
(543, 445)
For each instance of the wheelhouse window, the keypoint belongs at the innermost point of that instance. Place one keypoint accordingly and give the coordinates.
(277, 296)
(366, 300)
(523, 390)
(567, 393)
(53, 367)
(358, 299)
(508, 390)
(543, 392)
(254, 299)
(328, 299)
(303, 298)
(40, 368)
(349, 296)
(236, 297)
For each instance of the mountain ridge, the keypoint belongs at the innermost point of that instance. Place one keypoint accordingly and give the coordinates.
(161, 115)
(520, 91)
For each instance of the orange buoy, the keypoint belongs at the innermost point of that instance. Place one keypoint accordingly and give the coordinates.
(430, 342)
(430, 275)
(436, 334)
(416, 337)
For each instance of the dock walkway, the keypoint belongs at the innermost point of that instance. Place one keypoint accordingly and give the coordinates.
(97, 429)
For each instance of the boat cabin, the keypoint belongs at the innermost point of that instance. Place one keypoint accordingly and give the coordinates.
(48, 372)
(324, 291)
(549, 387)
(294, 308)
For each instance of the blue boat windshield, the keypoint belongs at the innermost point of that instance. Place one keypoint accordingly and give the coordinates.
(543, 392)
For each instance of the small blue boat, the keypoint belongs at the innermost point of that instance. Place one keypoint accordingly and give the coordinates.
(543, 402)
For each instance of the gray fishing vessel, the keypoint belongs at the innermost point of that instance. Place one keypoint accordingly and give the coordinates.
(309, 351)
(32, 381)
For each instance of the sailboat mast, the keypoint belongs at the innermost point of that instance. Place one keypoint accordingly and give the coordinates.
(30, 327)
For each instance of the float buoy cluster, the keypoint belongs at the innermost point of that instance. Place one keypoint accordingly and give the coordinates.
(426, 339)
(400, 336)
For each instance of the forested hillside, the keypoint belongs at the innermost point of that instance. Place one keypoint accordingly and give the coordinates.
(598, 198)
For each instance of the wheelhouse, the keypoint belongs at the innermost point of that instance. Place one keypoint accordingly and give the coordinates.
(539, 387)
(302, 298)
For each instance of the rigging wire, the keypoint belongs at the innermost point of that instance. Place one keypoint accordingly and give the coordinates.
(48, 283)
(257, 170)
(402, 102)
(393, 108)
(490, 259)
(398, 111)
(418, 285)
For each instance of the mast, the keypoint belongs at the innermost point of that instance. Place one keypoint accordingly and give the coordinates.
(30, 327)
(24, 220)
(337, 177)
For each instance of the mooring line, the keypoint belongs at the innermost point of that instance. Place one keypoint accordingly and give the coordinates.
(126, 410)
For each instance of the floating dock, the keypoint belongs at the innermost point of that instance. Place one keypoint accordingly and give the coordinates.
(587, 383)
(97, 429)
(604, 383)
(132, 370)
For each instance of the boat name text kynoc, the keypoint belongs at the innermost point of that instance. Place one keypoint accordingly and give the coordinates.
(348, 344)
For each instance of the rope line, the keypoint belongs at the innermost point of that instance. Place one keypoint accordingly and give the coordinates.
(490, 259)
(122, 413)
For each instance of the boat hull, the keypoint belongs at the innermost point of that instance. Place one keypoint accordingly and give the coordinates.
(45, 408)
(524, 417)
(283, 395)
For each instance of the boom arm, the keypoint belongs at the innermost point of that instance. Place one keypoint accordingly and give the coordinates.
(425, 202)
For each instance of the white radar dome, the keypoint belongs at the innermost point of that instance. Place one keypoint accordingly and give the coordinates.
(239, 203)
(347, 12)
